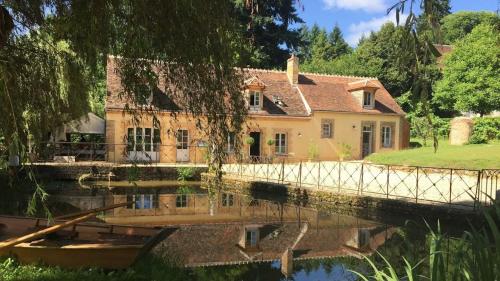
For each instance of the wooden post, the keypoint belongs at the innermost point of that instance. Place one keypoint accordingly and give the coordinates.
(319, 174)
(416, 192)
(451, 181)
(287, 262)
(360, 185)
(282, 170)
(300, 174)
(388, 179)
(340, 166)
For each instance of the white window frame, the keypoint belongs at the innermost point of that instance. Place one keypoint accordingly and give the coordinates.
(134, 144)
(281, 149)
(255, 98)
(231, 142)
(227, 200)
(183, 201)
(253, 237)
(370, 97)
(330, 133)
(139, 200)
(386, 136)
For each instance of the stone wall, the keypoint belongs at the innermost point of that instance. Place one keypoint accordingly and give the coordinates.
(102, 172)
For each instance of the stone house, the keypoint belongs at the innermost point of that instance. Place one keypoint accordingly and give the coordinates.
(291, 114)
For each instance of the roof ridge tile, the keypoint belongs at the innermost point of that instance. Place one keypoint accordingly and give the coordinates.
(338, 75)
(310, 73)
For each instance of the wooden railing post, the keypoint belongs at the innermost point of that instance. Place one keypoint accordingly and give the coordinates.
(478, 188)
(360, 184)
(388, 180)
(416, 192)
(340, 175)
(283, 170)
(300, 174)
(451, 182)
(319, 173)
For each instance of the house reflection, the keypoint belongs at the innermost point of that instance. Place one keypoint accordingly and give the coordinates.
(225, 228)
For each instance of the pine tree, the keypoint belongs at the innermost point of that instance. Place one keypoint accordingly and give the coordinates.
(267, 26)
(338, 46)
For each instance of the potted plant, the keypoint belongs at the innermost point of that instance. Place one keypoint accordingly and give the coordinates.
(313, 151)
(270, 143)
(345, 151)
(249, 140)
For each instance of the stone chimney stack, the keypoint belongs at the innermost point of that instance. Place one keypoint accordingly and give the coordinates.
(292, 69)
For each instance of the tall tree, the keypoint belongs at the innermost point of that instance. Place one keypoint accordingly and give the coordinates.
(267, 27)
(471, 73)
(338, 46)
(320, 47)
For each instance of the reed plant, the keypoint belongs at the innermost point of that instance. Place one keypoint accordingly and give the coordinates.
(475, 257)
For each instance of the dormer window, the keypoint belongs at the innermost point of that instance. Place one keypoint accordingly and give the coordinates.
(254, 100)
(368, 100)
(251, 237)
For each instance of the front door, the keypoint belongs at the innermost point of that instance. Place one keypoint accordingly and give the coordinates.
(182, 146)
(367, 140)
(255, 147)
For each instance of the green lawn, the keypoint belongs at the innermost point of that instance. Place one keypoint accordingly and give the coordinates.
(472, 156)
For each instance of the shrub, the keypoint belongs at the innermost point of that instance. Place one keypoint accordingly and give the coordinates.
(249, 140)
(485, 129)
(185, 173)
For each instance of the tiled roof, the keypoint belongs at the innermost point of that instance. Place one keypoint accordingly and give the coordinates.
(277, 87)
(321, 92)
(330, 93)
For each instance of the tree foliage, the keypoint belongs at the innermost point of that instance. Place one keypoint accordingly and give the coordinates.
(457, 25)
(267, 29)
(319, 46)
(378, 55)
(54, 49)
(470, 76)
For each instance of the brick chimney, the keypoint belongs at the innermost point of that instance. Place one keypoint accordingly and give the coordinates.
(292, 69)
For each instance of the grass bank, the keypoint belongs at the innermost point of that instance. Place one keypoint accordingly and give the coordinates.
(149, 269)
(471, 156)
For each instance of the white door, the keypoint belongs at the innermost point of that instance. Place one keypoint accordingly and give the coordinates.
(182, 146)
(367, 140)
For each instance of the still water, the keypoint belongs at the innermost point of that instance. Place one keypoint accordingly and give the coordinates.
(232, 236)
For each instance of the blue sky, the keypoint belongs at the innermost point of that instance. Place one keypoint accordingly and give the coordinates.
(357, 17)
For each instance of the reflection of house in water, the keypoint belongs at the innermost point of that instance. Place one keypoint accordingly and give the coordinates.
(224, 228)
(223, 244)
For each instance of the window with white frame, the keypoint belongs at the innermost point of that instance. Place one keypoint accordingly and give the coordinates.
(326, 129)
(181, 201)
(141, 201)
(280, 143)
(254, 100)
(251, 237)
(368, 99)
(143, 139)
(386, 136)
(231, 140)
(227, 200)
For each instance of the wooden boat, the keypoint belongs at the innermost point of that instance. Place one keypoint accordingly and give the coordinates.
(74, 243)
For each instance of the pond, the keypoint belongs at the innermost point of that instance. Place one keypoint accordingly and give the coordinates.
(231, 236)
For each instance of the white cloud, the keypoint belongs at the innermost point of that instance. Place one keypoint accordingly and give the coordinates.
(366, 5)
(357, 30)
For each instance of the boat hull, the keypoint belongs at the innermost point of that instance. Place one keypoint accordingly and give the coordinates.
(112, 257)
